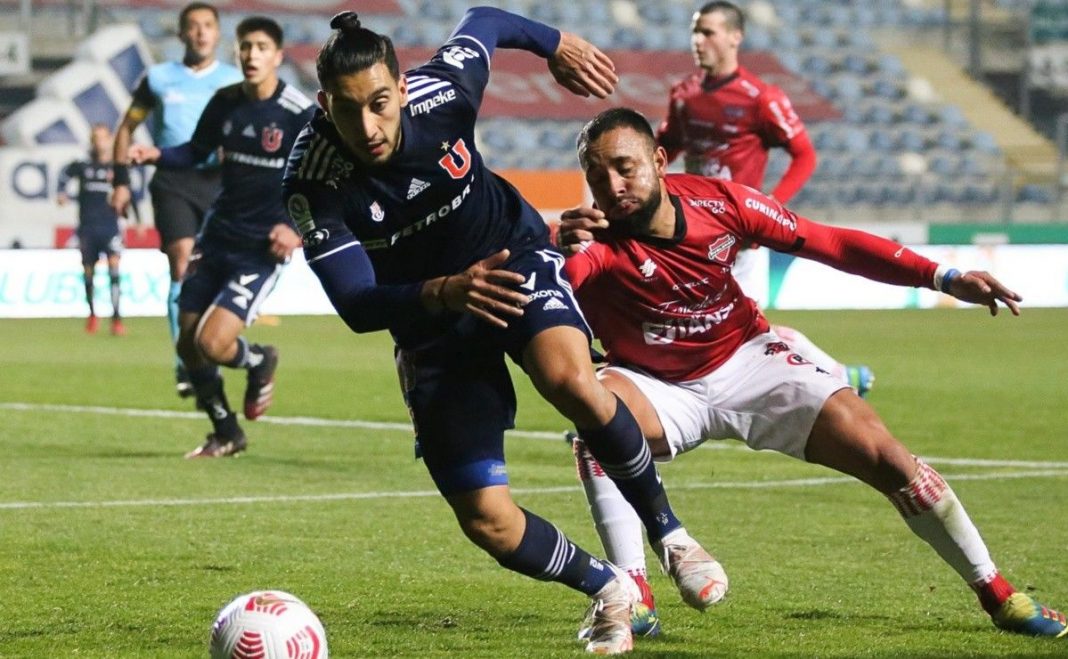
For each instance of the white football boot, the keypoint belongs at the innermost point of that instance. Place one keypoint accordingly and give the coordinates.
(699, 577)
(609, 615)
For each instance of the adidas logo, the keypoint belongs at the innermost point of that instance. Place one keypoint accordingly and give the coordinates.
(249, 131)
(552, 304)
(416, 187)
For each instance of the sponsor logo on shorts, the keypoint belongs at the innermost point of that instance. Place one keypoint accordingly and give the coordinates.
(775, 348)
(554, 304)
(794, 359)
(647, 269)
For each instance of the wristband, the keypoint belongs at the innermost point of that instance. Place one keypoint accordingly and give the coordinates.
(441, 292)
(120, 175)
(943, 277)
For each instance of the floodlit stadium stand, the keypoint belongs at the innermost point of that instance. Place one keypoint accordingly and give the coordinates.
(897, 133)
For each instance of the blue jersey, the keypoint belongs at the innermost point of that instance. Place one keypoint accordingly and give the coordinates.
(435, 208)
(94, 186)
(176, 96)
(255, 137)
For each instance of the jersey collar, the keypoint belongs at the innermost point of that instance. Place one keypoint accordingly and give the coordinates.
(710, 84)
(680, 227)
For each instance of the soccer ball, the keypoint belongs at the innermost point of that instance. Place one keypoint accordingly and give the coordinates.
(267, 624)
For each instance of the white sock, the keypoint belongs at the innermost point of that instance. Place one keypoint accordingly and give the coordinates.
(934, 513)
(807, 349)
(617, 524)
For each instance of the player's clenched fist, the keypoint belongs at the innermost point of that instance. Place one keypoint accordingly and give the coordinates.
(577, 227)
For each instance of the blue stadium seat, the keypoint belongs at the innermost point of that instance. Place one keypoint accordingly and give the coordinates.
(1034, 194)
(817, 65)
(986, 143)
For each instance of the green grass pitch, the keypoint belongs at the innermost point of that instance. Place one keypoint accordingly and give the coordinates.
(111, 545)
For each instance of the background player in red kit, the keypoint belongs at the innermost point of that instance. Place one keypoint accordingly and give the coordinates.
(695, 359)
(724, 120)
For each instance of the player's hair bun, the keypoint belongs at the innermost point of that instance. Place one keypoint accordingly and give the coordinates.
(346, 21)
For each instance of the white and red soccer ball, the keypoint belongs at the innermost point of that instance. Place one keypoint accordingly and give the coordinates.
(267, 624)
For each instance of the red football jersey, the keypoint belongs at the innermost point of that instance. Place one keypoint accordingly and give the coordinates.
(671, 306)
(725, 127)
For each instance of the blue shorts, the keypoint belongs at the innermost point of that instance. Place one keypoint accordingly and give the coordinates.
(235, 280)
(459, 391)
(97, 241)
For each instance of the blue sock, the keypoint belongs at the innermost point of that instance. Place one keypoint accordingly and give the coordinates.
(172, 315)
(248, 355)
(210, 395)
(546, 554)
(240, 359)
(622, 452)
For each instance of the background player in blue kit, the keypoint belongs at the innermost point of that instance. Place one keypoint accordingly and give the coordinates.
(172, 96)
(409, 231)
(247, 236)
(98, 225)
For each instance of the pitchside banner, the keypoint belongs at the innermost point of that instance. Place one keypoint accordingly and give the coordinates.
(521, 85)
(48, 283)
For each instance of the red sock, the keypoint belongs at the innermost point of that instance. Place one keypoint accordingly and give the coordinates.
(993, 593)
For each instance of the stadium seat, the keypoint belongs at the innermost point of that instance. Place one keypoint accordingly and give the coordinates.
(1034, 194)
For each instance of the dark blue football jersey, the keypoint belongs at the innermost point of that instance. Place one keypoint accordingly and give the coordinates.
(94, 186)
(256, 137)
(434, 208)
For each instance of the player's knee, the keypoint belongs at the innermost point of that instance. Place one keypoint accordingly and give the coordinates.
(495, 533)
(573, 391)
(213, 346)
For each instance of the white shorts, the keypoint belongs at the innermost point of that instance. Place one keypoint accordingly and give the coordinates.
(750, 270)
(765, 395)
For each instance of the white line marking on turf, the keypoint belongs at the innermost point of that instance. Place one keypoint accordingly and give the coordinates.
(355, 496)
(406, 427)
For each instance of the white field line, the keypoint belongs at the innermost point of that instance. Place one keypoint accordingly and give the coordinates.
(356, 496)
(1035, 469)
(407, 428)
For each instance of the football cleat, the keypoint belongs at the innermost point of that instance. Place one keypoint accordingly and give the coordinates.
(861, 378)
(182, 385)
(216, 447)
(610, 616)
(643, 620)
(92, 323)
(699, 577)
(117, 328)
(1021, 614)
(259, 394)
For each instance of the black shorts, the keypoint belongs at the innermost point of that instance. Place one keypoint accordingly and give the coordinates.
(98, 240)
(459, 390)
(180, 200)
(236, 280)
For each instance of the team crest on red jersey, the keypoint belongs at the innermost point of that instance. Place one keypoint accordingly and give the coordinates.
(720, 249)
(457, 160)
(271, 138)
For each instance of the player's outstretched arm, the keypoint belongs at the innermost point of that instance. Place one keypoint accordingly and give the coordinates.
(582, 68)
(981, 287)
